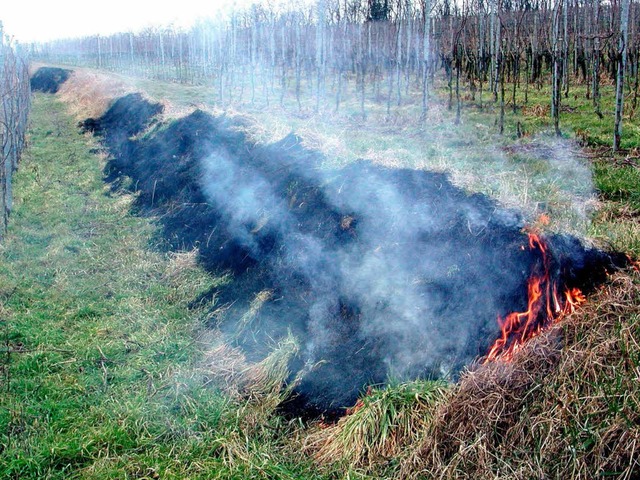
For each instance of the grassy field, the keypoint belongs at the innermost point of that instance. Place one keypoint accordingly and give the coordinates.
(108, 372)
(103, 362)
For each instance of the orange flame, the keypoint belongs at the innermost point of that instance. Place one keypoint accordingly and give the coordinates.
(544, 308)
(360, 403)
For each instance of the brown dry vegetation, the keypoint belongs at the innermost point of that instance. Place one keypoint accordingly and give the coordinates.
(88, 94)
(570, 412)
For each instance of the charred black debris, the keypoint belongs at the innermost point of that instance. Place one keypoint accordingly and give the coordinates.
(49, 79)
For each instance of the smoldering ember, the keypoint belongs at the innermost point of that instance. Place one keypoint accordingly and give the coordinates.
(380, 273)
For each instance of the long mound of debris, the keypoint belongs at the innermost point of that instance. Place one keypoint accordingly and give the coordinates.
(380, 273)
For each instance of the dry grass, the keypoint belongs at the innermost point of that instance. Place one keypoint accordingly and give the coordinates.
(260, 385)
(180, 263)
(184, 277)
(225, 367)
(551, 413)
(245, 322)
(256, 390)
(88, 94)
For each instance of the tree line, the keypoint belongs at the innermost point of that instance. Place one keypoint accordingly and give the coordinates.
(391, 53)
(15, 104)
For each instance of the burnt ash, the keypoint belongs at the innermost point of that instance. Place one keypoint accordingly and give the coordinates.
(127, 117)
(49, 79)
(380, 273)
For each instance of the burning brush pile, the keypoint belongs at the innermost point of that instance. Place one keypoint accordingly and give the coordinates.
(547, 412)
(379, 273)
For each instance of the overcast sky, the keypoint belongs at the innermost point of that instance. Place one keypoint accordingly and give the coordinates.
(41, 20)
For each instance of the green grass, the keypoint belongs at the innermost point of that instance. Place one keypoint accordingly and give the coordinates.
(619, 183)
(578, 117)
(100, 361)
(104, 365)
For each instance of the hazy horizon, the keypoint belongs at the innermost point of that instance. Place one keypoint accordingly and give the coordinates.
(46, 21)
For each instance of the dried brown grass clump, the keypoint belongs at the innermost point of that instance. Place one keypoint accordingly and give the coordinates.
(180, 264)
(266, 379)
(257, 387)
(570, 412)
(255, 390)
(228, 368)
(225, 366)
(536, 111)
(88, 93)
